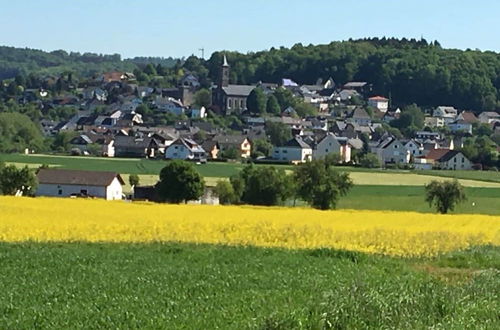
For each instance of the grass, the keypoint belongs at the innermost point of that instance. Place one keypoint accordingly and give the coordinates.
(411, 198)
(206, 287)
(490, 176)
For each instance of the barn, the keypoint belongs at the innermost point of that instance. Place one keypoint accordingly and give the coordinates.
(68, 183)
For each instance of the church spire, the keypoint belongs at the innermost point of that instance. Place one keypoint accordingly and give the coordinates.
(224, 73)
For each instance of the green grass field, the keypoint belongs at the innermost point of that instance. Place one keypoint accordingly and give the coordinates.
(182, 286)
(411, 198)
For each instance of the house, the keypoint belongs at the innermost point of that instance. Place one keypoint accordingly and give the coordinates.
(95, 93)
(230, 98)
(415, 147)
(295, 150)
(170, 105)
(444, 159)
(448, 114)
(488, 117)
(185, 149)
(84, 141)
(66, 183)
(434, 122)
(359, 86)
(198, 113)
(347, 94)
(391, 150)
(332, 144)
(359, 116)
(129, 146)
(379, 102)
(426, 135)
(211, 148)
(468, 117)
(460, 126)
(238, 142)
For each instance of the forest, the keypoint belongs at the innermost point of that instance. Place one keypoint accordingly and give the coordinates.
(405, 70)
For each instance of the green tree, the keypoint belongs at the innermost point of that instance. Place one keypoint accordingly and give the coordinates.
(369, 160)
(278, 133)
(305, 109)
(319, 184)
(133, 179)
(256, 101)
(150, 70)
(18, 132)
(262, 185)
(272, 105)
(14, 180)
(261, 147)
(203, 98)
(179, 182)
(444, 195)
(225, 191)
(231, 153)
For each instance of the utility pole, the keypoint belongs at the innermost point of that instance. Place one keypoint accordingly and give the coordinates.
(202, 50)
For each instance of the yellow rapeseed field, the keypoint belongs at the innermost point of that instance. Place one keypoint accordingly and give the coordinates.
(391, 233)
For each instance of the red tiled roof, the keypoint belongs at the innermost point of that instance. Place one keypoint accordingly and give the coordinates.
(378, 98)
(437, 154)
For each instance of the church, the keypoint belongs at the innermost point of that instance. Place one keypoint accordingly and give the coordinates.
(229, 99)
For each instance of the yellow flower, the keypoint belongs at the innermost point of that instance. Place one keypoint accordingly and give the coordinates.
(392, 233)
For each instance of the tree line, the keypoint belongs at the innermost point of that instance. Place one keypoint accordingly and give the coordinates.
(407, 71)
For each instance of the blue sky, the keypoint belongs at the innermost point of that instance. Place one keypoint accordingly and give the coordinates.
(179, 28)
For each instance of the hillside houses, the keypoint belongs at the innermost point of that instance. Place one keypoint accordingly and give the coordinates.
(116, 114)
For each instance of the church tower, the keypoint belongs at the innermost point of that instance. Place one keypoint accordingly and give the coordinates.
(224, 74)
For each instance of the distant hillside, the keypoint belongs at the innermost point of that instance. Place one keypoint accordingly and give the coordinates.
(407, 71)
(14, 61)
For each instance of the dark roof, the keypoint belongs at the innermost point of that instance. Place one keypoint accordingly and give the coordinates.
(230, 139)
(449, 155)
(297, 142)
(75, 177)
(359, 113)
(238, 90)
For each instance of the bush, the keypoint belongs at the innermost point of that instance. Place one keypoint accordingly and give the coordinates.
(369, 161)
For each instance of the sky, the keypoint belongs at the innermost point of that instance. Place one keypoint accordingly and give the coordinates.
(180, 28)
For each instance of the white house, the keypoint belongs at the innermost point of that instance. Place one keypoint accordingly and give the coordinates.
(66, 183)
(333, 144)
(186, 149)
(444, 159)
(169, 104)
(460, 126)
(379, 102)
(391, 150)
(295, 150)
(488, 117)
(415, 148)
(447, 113)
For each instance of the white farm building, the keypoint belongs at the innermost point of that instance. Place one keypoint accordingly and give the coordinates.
(67, 183)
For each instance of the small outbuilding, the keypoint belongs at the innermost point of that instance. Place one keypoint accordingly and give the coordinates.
(75, 183)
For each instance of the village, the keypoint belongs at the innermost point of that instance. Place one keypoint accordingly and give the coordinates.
(348, 121)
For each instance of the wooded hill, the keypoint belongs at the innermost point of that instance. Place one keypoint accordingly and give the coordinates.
(406, 71)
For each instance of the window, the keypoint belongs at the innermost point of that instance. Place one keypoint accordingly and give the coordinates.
(241, 104)
(84, 192)
(59, 192)
(326, 150)
(455, 159)
(463, 160)
(229, 103)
